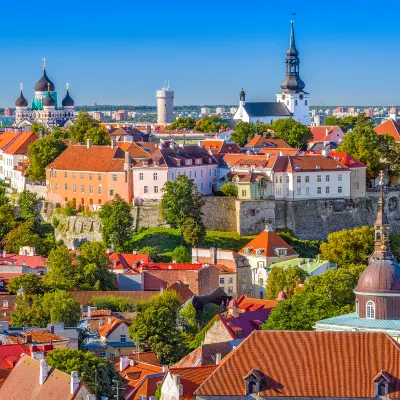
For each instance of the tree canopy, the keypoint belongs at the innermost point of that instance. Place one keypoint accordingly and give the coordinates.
(30, 283)
(229, 189)
(181, 255)
(210, 123)
(284, 279)
(27, 205)
(344, 123)
(243, 133)
(117, 223)
(292, 132)
(182, 124)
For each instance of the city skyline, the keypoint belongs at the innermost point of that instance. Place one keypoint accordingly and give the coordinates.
(110, 58)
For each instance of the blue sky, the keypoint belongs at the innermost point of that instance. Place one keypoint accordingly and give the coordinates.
(120, 52)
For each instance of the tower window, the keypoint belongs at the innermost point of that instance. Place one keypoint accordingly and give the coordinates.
(370, 310)
(305, 102)
(295, 102)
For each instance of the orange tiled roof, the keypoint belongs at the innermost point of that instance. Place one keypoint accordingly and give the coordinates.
(192, 378)
(184, 292)
(268, 241)
(134, 150)
(261, 141)
(109, 327)
(391, 127)
(219, 146)
(21, 143)
(37, 337)
(287, 151)
(247, 161)
(126, 260)
(311, 162)
(250, 304)
(320, 133)
(308, 365)
(6, 138)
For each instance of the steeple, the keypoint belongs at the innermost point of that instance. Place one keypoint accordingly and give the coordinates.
(292, 82)
(242, 97)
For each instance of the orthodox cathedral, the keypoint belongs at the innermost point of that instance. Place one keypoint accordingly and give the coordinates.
(45, 108)
(292, 101)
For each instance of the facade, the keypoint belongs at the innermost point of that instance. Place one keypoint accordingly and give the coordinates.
(90, 175)
(165, 106)
(378, 289)
(234, 269)
(45, 108)
(167, 163)
(325, 135)
(265, 249)
(292, 102)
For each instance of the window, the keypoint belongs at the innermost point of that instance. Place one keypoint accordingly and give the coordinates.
(356, 174)
(287, 191)
(123, 339)
(111, 355)
(140, 176)
(318, 178)
(276, 179)
(99, 177)
(244, 193)
(340, 189)
(356, 185)
(90, 176)
(221, 281)
(307, 179)
(327, 190)
(82, 175)
(74, 175)
(5, 303)
(287, 179)
(306, 102)
(74, 188)
(230, 280)
(327, 178)
(114, 177)
(307, 191)
(278, 191)
(145, 189)
(201, 173)
(280, 179)
(210, 172)
(155, 176)
(215, 172)
(173, 176)
(252, 388)
(155, 189)
(111, 192)
(230, 289)
(99, 189)
(65, 174)
(66, 186)
(370, 310)
(340, 177)
(298, 191)
(190, 174)
(56, 186)
(102, 354)
(90, 189)
(319, 190)
(82, 188)
(295, 102)
(298, 179)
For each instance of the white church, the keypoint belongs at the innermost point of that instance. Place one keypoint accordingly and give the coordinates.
(291, 102)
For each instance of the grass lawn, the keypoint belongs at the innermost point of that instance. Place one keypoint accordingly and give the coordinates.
(165, 240)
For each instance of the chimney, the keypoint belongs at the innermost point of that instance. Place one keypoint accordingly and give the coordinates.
(218, 358)
(325, 153)
(165, 368)
(127, 162)
(213, 255)
(28, 338)
(43, 372)
(327, 132)
(281, 153)
(109, 320)
(113, 143)
(74, 382)
(123, 363)
(134, 252)
(89, 143)
(52, 328)
(89, 312)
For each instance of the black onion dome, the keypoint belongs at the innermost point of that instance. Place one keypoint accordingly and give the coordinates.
(68, 101)
(293, 83)
(44, 84)
(381, 276)
(21, 101)
(49, 101)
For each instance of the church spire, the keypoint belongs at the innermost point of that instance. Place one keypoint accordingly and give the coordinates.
(292, 82)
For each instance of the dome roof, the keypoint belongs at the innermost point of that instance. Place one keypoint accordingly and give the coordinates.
(282, 295)
(381, 276)
(68, 100)
(233, 303)
(48, 101)
(44, 84)
(21, 101)
(293, 83)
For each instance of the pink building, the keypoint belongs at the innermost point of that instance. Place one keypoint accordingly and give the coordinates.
(168, 162)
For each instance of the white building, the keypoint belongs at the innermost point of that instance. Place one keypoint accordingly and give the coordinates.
(292, 102)
(220, 110)
(205, 111)
(165, 106)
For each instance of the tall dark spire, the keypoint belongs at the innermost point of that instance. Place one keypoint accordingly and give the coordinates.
(242, 95)
(292, 82)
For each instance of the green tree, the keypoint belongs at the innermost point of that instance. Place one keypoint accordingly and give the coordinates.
(27, 204)
(157, 327)
(31, 283)
(348, 246)
(116, 303)
(99, 135)
(390, 155)
(117, 223)
(151, 251)
(188, 321)
(29, 311)
(395, 244)
(210, 123)
(97, 373)
(209, 311)
(182, 123)
(62, 307)
(181, 255)
(82, 125)
(284, 279)
(229, 189)
(244, 132)
(41, 153)
(181, 207)
(3, 196)
(292, 132)
(7, 220)
(23, 235)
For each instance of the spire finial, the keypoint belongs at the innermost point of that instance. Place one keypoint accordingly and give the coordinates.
(67, 87)
(48, 87)
(44, 64)
(20, 87)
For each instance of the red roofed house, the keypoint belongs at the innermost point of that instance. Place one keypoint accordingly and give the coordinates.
(390, 127)
(90, 175)
(259, 142)
(307, 365)
(250, 304)
(219, 146)
(123, 262)
(237, 323)
(35, 380)
(13, 152)
(326, 134)
(9, 356)
(265, 249)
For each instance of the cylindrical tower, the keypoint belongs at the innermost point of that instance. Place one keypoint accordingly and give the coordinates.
(165, 106)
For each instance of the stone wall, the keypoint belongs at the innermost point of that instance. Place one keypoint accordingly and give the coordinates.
(147, 215)
(220, 214)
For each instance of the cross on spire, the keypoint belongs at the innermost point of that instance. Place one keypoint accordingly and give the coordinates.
(20, 87)
(44, 63)
(67, 86)
(48, 87)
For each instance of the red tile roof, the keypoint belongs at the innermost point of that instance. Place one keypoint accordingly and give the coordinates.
(249, 161)
(192, 378)
(19, 260)
(171, 266)
(134, 150)
(268, 241)
(126, 260)
(9, 354)
(110, 327)
(310, 162)
(96, 158)
(308, 365)
(219, 146)
(250, 304)
(21, 143)
(184, 292)
(278, 151)
(261, 141)
(326, 133)
(391, 127)
(38, 337)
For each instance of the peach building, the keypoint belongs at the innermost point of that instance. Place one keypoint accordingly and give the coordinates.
(90, 175)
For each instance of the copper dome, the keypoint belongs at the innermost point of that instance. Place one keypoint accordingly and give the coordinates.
(381, 276)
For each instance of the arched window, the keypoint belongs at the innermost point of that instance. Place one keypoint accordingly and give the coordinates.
(370, 310)
(357, 307)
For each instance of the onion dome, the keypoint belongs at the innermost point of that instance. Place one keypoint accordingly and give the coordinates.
(282, 295)
(49, 101)
(68, 100)
(44, 83)
(233, 303)
(21, 101)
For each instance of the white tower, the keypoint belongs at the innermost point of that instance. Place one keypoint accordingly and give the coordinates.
(165, 105)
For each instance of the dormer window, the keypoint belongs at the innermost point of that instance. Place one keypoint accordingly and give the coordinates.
(253, 381)
(370, 310)
(281, 252)
(188, 162)
(381, 384)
